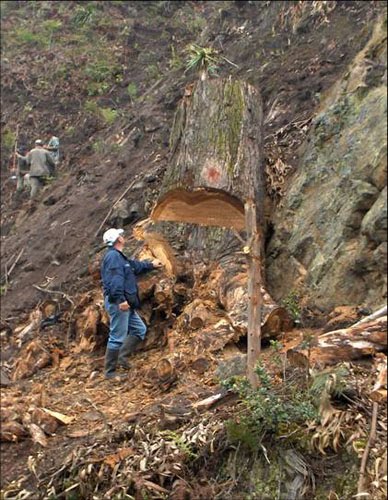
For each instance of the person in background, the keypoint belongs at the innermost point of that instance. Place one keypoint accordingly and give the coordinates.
(121, 299)
(21, 168)
(41, 166)
(53, 147)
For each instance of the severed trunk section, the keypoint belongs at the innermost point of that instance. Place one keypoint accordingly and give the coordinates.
(347, 344)
(215, 178)
(215, 156)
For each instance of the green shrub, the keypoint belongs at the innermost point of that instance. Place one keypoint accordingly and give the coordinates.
(8, 139)
(132, 90)
(269, 409)
(91, 107)
(291, 303)
(84, 15)
(153, 72)
(109, 115)
(25, 36)
(99, 147)
(51, 25)
(202, 59)
(99, 71)
(97, 88)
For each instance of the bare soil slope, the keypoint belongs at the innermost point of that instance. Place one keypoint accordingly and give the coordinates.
(106, 78)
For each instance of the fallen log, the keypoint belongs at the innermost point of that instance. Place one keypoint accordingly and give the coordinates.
(175, 413)
(377, 314)
(199, 314)
(213, 338)
(346, 344)
(164, 296)
(233, 295)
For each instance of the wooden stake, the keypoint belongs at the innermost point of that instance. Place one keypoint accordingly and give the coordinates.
(15, 149)
(254, 292)
(364, 460)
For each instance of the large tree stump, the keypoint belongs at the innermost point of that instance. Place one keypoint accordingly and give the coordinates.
(215, 176)
(215, 156)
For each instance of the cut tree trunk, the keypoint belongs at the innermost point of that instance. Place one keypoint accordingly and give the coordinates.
(215, 156)
(216, 178)
(164, 374)
(199, 314)
(346, 344)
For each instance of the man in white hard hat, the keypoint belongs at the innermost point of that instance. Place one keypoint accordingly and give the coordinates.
(121, 299)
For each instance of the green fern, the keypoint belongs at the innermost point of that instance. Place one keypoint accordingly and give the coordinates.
(202, 59)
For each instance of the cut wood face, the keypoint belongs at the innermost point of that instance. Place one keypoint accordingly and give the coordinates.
(203, 207)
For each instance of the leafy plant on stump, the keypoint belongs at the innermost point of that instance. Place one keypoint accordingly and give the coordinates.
(205, 60)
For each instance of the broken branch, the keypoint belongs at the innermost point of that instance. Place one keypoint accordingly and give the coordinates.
(113, 206)
(8, 273)
(364, 460)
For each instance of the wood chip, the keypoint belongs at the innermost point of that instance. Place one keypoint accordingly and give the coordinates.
(64, 419)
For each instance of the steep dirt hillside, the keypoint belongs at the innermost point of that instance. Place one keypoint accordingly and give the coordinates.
(106, 78)
(111, 79)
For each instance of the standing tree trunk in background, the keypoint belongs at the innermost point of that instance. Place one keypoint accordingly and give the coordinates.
(215, 176)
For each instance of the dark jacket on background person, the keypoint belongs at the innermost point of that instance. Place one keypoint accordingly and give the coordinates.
(118, 274)
(21, 165)
(40, 162)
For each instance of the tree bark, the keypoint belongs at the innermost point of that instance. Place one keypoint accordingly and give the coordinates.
(215, 156)
(346, 344)
(215, 177)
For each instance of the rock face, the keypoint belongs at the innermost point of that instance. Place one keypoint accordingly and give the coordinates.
(330, 239)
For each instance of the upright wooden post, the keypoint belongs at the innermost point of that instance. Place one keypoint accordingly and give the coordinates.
(254, 291)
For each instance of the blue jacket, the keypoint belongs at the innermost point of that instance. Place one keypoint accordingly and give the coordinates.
(118, 275)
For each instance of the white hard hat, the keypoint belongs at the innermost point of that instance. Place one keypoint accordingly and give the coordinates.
(110, 236)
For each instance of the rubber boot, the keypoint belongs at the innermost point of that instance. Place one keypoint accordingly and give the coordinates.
(128, 348)
(111, 357)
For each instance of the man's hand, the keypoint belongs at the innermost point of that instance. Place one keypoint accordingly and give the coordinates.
(157, 264)
(124, 306)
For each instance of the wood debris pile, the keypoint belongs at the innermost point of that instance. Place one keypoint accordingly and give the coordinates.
(136, 460)
(153, 433)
